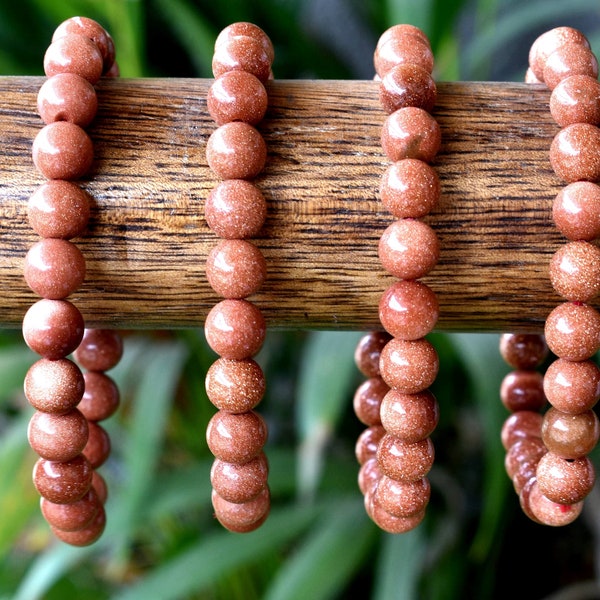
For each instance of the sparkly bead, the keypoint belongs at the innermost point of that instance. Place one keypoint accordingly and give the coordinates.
(237, 96)
(54, 268)
(236, 151)
(244, 517)
(236, 438)
(408, 310)
(235, 385)
(54, 386)
(59, 209)
(575, 153)
(246, 29)
(97, 450)
(565, 481)
(409, 366)
(523, 350)
(99, 350)
(410, 188)
(391, 524)
(575, 271)
(99, 484)
(73, 516)
(405, 461)
(402, 31)
(570, 436)
(67, 97)
(521, 424)
(367, 443)
(407, 85)
(576, 211)
(402, 498)
(367, 400)
(568, 60)
(239, 482)
(526, 450)
(576, 99)
(368, 351)
(573, 331)
(409, 417)
(409, 249)
(86, 536)
(235, 209)
(241, 53)
(522, 390)
(101, 397)
(395, 51)
(530, 77)
(62, 150)
(369, 475)
(74, 53)
(542, 510)
(63, 482)
(524, 474)
(572, 387)
(58, 437)
(235, 329)
(411, 133)
(53, 328)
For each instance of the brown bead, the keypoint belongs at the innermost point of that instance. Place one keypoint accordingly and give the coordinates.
(74, 53)
(573, 331)
(101, 397)
(67, 97)
(408, 310)
(576, 99)
(236, 151)
(59, 209)
(402, 31)
(235, 209)
(100, 349)
(62, 150)
(368, 351)
(409, 50)
(524, 474)
(99, 484)
(244, 517)
(523, 350)
(528, 449)
(545, 512)
(410, 417)
(63, 482)
(54, 386)
(235, 385)
(575, 153)
(410, 188)
(405, 461)
(575, 271)
(53, 328)
(86, 536)
(239, 482)
(402, 498)
(411, 133)
(58, 437)
(241, 53)
(97, 450)
(389, 523)
(235, 329)
(565, 481)
(366, 445)
(530, 77)
(572, 387)
(54, 268)
(73, 516)
(407, 85)
(244, 28)
(236, 438)
(522, 390)
(576, 211)
(367, 400)
(521, 424)
(570, 436)
(409, 366)
(369, 475)
(409, 249)
(568, 60)
(237, 96)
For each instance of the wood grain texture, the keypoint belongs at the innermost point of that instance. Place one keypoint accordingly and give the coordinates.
(148, 240)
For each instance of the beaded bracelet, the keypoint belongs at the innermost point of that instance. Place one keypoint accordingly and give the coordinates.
(65, 431)
(395, 451)
(549, 463)
(235, 268)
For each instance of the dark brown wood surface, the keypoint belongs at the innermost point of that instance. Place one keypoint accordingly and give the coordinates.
(148, 240)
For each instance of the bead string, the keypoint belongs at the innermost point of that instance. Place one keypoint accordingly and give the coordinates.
(235, 268)
(64, 430)
(395, 451)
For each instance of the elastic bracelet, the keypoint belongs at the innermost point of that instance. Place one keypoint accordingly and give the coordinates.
(235, 328)
(65, 431)
(547, 454)
(395, 451)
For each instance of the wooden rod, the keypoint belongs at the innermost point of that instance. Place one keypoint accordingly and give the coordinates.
(147, 242)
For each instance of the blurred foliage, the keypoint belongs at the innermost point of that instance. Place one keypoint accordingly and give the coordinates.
(161, 540)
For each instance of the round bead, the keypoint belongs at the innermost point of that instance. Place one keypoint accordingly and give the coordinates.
(86, 536)
(572, 387)
(409, 50)
(244, 517)
(62, 150)
(523, 350)
(410, 188)
(528, 450)
(74, 516)
(235, 209)
(99, 484)
(99, 350)
(54, 386)
(369, 475)
(244, 28)
(236, 151)
(568, 60)
(576, 211)
(389, 523)
(402, 498)
(235, 385)
(530, 77)
(408, 310)
(58, 437)
(67, 97)
(565, 481)
(367, 400)
(524, 474)
(54, 268)
(63, 482)
(235, 329)
(53, 328)
(97, 450)
(409, 366)
(521, 424)
(59, 209)
(523, 390)
(570, 436)
(236, 438)
(368, 351)
(407, 85)
(101, 397)
(409, 249)
(405, 461)
(576, 99)
(402, 31)
(575, 271)
(367, 443)
(573, 331)
(239, 483)
(545, 512)
(74, 53)
(242, 53)
(575, 153)
(411, 132)
(409, 417)
(237, 96)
